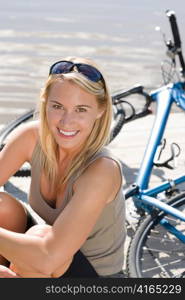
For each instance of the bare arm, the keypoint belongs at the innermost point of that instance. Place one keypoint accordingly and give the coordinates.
(93, 189)
(17, 150)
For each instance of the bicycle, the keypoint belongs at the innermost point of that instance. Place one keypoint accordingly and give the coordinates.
(158, 244)
(154, 211)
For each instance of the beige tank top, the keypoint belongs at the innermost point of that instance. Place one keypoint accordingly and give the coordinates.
(104, 247)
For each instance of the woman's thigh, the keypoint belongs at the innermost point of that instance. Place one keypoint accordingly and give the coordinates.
(13, 214)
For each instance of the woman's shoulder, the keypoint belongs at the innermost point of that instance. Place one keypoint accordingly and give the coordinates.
(105, 159)
(31, 130)
(25, 129)
(102, 162)
(31, 127)
(103, 165)
(103, 174)
(26, 135)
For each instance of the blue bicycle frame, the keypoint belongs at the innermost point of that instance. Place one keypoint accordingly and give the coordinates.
(164, 97)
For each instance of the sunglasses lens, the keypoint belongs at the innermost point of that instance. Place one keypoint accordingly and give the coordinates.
(61, 67)
(90, 72)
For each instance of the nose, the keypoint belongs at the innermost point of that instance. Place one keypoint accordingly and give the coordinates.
(67, 118)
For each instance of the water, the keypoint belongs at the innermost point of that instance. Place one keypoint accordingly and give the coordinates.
(119, 35)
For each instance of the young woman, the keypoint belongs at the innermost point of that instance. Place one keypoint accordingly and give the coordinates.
(76, 182)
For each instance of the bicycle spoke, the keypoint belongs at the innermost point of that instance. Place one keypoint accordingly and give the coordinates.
(157, 252)
(161, 266)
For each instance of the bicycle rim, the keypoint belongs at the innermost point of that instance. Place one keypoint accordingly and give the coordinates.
(153, 251)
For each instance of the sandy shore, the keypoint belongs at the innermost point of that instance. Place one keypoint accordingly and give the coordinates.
(120, 36)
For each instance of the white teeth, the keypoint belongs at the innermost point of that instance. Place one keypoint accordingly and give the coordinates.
(68, 133)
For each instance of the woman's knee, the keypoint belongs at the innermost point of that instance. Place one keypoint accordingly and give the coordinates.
(13, 215)
(39, 230)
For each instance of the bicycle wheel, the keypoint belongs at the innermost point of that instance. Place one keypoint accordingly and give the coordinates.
(153, 251)
(119, 121)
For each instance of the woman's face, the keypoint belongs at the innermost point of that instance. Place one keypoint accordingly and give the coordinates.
(71, 113)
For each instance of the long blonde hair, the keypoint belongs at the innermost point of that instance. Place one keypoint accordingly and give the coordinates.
(99, 136)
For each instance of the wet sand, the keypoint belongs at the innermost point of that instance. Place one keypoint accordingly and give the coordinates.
(120, 36)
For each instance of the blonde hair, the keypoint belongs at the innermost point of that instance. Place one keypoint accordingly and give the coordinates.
(99, 136)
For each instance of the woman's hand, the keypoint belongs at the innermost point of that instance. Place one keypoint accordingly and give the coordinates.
(5, 272)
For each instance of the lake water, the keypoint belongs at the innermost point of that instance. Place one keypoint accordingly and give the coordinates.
(120, 35)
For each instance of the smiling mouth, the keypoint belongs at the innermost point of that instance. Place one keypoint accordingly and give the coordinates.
(68, 133)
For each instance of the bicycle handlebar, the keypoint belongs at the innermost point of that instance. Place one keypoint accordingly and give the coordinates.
(176, 47)
(117, 99)
(175, 31)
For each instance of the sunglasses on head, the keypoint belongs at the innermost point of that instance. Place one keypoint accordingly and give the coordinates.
(62, 67)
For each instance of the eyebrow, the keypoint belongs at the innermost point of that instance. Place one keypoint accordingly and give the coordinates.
(81, 105)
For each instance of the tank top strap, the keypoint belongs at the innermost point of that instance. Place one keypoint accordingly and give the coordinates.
(104, 152)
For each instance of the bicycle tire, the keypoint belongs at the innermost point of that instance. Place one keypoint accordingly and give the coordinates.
(119, 122)
(155, 253)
